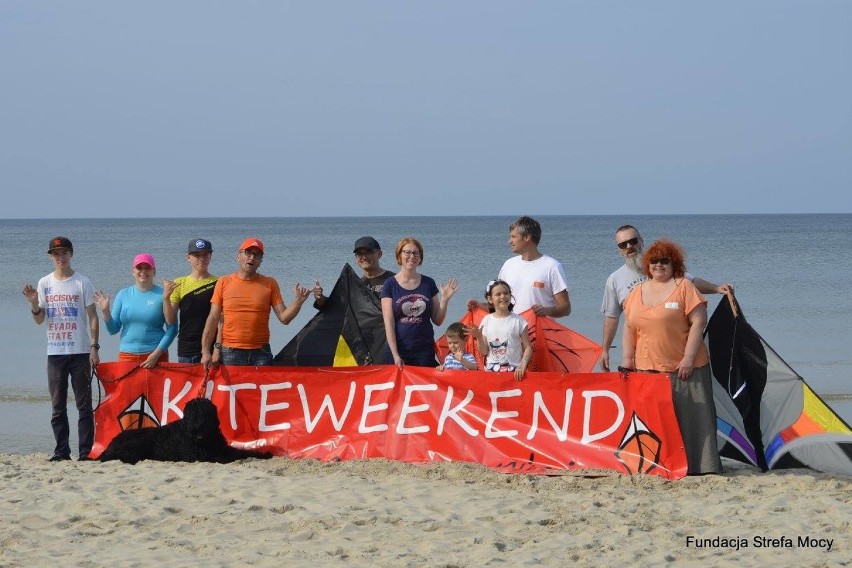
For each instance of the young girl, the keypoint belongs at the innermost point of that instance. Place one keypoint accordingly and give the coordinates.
(457, 359)
(503, 334)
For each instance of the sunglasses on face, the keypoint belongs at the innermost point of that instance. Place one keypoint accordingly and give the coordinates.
(665, 261)
(631, 242)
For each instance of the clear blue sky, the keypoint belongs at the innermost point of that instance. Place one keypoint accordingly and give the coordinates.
(191, 108)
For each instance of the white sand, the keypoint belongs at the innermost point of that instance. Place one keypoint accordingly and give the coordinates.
(281, 512)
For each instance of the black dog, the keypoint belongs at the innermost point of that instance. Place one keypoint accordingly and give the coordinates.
(194, 438)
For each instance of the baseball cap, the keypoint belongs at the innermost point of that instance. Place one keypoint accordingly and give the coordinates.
(199, 245)
(368, 243)
(144, 258)
(252, 242)
(60, 243)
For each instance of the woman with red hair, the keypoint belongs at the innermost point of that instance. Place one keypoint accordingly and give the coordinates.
(665, 319)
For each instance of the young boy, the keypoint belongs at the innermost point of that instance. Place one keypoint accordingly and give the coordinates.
(457, 359)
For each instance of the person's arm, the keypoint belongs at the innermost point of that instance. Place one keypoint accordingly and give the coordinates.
(110, 317)
(472, 304)
(439, 305)
(706, 287)
(210, 332)
(31, 294)
(170, 308)
(481, 341)
(319, 298)
(526, 357)
(628, 346)
(469, 364)
(94, 332)
(561, 309)
(390, 330)
(610, 327)
(286, 313)
(697, 321)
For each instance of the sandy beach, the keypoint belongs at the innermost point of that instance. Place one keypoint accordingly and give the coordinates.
(380, 513)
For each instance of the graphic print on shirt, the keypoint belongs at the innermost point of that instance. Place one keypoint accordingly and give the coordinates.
(412, 307)
(62, 315)
(499, 352)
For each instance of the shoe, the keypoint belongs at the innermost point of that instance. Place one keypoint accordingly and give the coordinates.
(58, 458)
(85, 458)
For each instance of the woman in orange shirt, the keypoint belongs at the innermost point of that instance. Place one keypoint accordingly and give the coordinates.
(665, 319)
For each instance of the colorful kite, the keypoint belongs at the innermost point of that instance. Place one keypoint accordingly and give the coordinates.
(767, 415)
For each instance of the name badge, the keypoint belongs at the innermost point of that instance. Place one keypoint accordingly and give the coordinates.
(672, 305)
(537, 284)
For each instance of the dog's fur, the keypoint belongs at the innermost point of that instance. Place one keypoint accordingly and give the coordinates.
(194, 438)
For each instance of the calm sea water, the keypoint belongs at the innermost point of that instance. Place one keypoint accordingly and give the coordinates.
(791, 273)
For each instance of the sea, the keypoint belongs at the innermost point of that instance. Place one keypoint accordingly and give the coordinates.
(791, 274)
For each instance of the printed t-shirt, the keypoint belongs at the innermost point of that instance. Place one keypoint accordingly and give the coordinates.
(245, 309)
(64, 303)
(193, 299)
(504, 340)
(412, 312)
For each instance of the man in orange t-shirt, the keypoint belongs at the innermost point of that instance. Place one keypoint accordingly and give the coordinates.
(242, 301)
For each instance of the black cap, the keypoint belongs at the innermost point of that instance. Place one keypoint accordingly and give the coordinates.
(199, 245)
(368, 243)
(60, 243)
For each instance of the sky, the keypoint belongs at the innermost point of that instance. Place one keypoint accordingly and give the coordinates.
(361, 108)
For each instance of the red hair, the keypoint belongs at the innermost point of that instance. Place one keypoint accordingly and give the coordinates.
(663, 248)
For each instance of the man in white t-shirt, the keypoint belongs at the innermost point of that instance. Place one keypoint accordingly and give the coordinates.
(622, 281)
(537, 280)
(64, 298)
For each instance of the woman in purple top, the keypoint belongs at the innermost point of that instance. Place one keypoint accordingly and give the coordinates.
(410, 305)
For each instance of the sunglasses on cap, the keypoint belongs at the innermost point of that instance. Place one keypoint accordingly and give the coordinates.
(632, 242)
(665, 261)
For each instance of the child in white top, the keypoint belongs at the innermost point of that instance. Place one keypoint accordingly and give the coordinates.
(502, 334)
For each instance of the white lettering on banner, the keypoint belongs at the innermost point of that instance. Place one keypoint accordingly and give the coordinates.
(407, 409)
(540, 407)
(447, 412)
(232, 400)
(490, 432)
(368, 408)
(265, 407)
(589, 396)
(592, 405)
(327, 403)
(169, 403)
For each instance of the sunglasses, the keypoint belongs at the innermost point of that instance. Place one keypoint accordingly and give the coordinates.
(631, 242)
(665, 261)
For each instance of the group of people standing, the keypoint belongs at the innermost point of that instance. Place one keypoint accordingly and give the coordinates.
(226, 319)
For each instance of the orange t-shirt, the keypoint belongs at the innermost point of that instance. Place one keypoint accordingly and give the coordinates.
(245, 309)
(660, 332)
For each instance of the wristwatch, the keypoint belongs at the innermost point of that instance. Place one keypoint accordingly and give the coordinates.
(217, 345)
(96, 345)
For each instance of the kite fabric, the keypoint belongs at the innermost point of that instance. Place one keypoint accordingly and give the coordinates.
(767, 415)
(346, 332)
(556, 348)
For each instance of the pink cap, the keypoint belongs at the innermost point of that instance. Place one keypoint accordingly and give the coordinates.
(144, 258)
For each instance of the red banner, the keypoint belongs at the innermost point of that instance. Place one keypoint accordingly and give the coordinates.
(548, 423)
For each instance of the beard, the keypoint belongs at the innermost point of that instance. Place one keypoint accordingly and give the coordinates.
(635, 261)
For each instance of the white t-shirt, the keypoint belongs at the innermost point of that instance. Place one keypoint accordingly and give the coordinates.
(533, 281)
(64, 303)
(504, 340)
